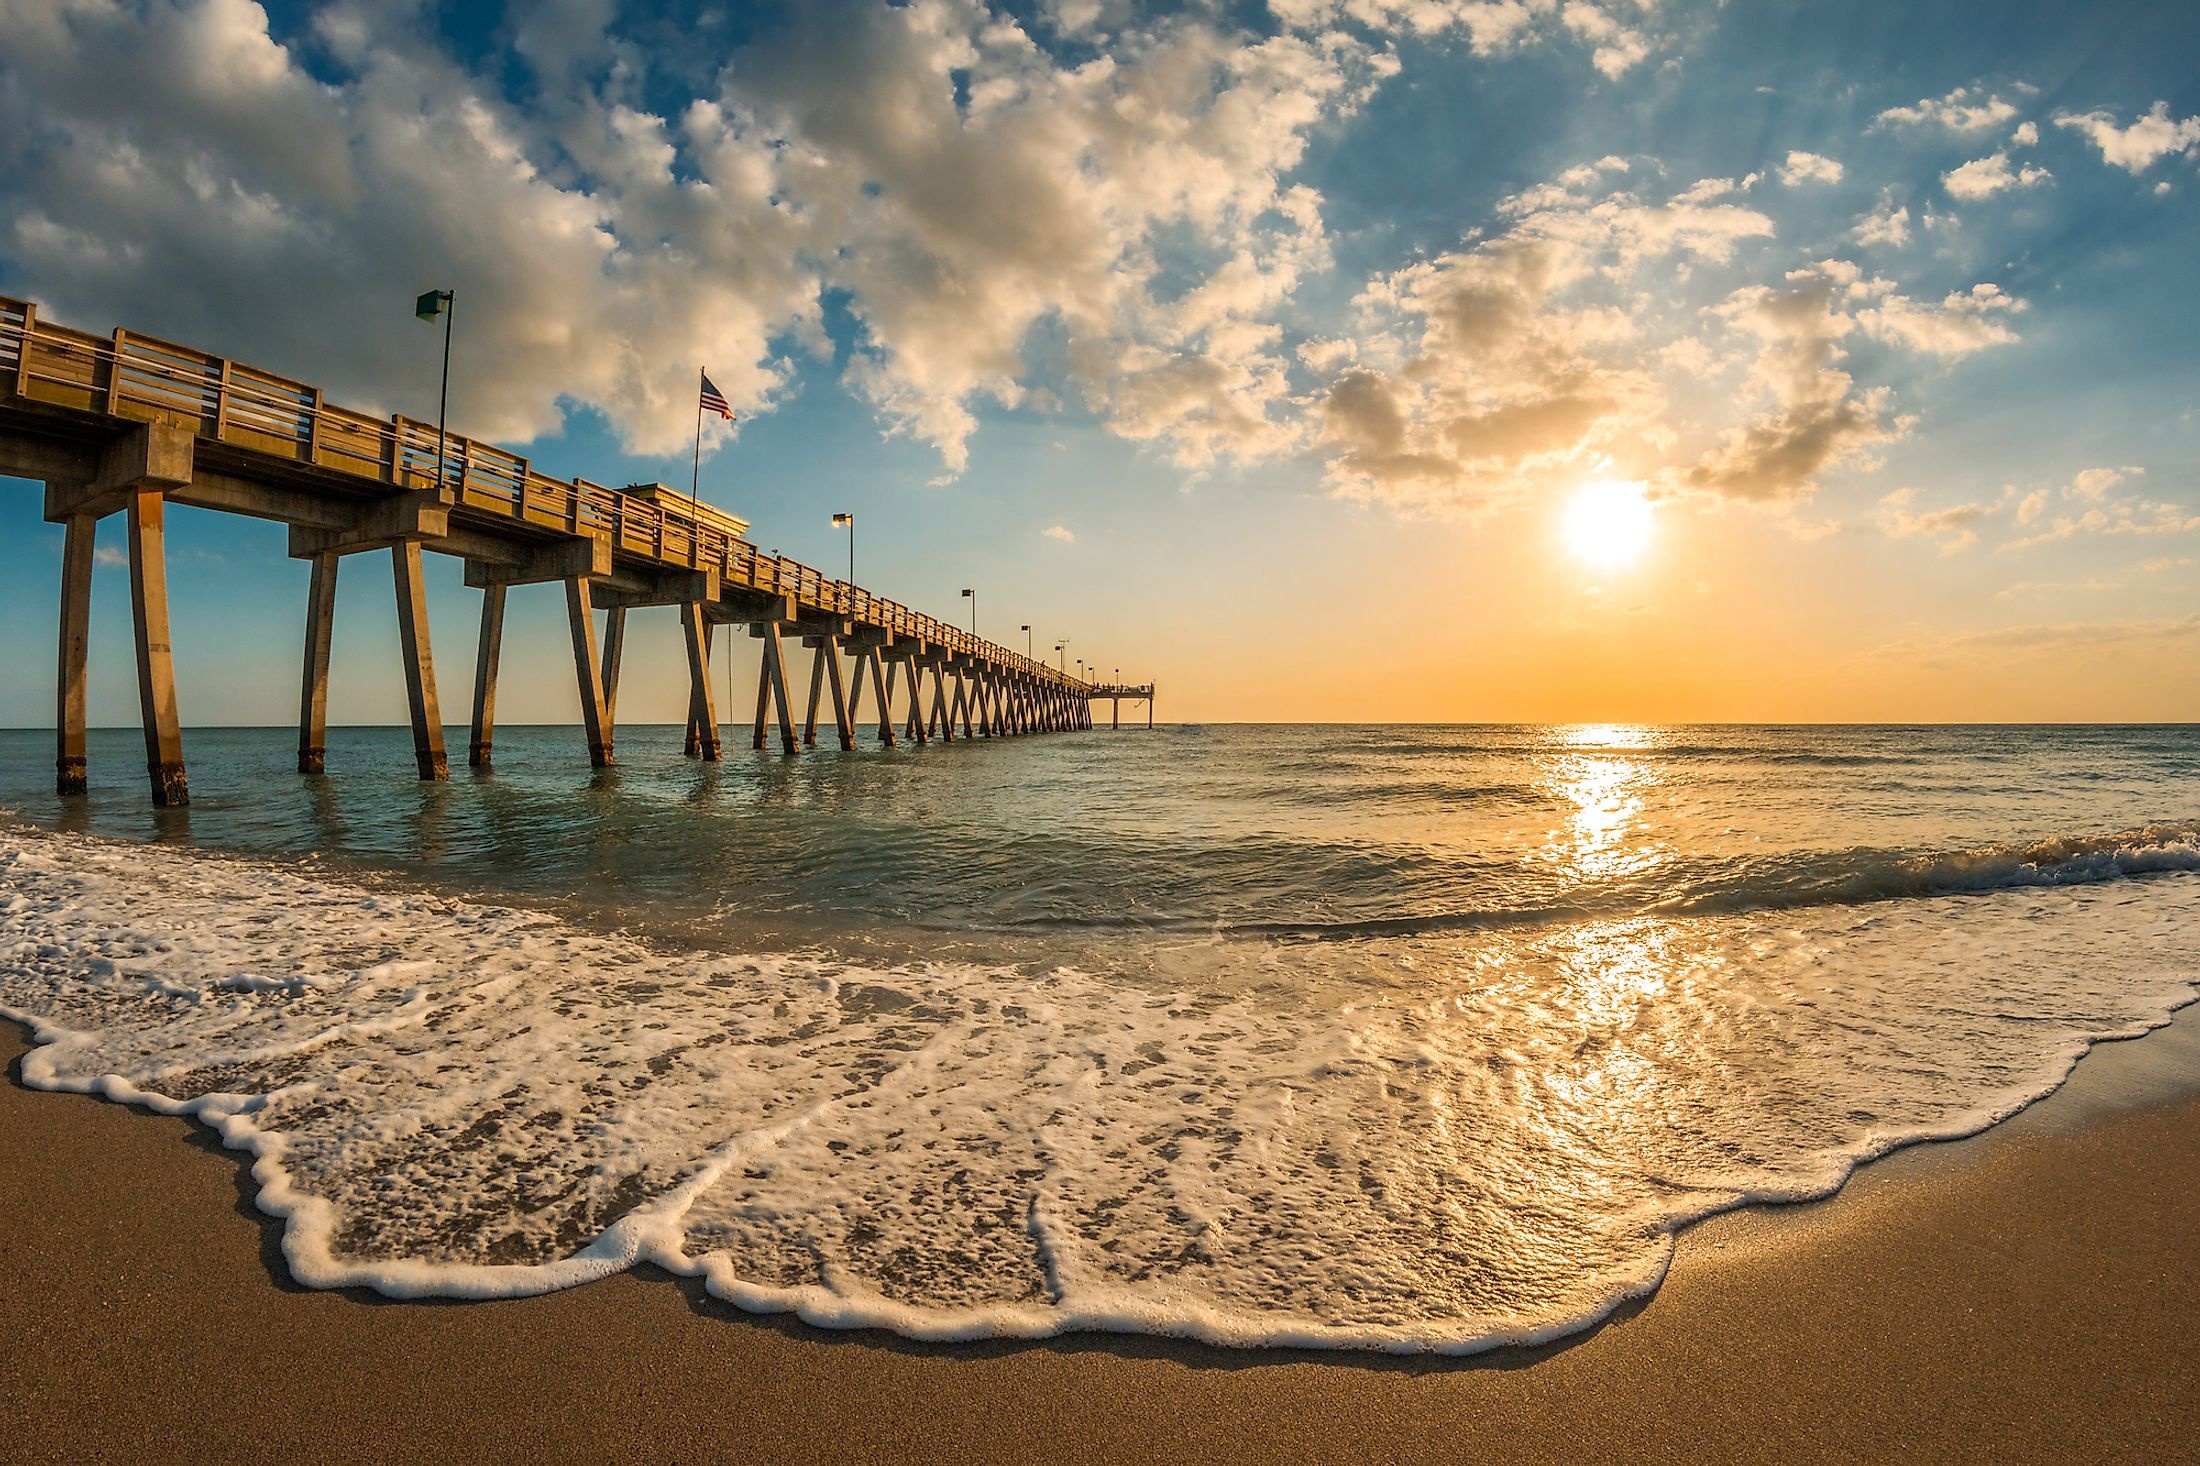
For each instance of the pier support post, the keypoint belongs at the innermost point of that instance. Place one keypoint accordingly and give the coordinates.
(943, 722)
(156, 660)
(842, 722)
(771, 687)
(486, 655)
(412, 636)
(614, 652)
(817, 691)
(1115, 713)
(76, 624)
(885, 708)
(913, 726)
(580, 613)
(313, 691)
(702, 730)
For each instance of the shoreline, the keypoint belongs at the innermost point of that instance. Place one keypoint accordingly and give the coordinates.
(2022, 1291)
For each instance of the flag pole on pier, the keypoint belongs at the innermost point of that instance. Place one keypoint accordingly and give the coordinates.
(707, 399)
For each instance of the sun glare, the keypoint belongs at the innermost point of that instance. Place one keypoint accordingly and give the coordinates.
(1608, 523)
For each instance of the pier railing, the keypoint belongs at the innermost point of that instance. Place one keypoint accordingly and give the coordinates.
(138, 378)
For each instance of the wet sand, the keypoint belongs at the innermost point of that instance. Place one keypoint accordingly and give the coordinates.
(2028, 1294)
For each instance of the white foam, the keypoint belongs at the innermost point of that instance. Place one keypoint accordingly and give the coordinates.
(1479, 1138)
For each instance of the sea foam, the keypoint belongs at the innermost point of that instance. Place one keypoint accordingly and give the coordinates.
(1490, 1138)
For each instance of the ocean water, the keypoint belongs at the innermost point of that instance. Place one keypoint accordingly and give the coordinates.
(1395, 1038)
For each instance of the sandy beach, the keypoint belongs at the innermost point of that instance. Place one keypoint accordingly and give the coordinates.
(2028, 1293)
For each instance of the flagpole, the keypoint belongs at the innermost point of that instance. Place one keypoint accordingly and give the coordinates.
(695, 484)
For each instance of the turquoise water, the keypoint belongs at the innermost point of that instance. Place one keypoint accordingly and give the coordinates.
(1397, 1037)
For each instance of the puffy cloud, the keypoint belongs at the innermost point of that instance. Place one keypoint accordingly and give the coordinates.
(960, 228)
(1956, 527)
(2104, 514)
(1985, 177)
(1617, 47)
(1888, 224)
(175, 143)
(2138, 147)
(928, 165)
(1616, 32)
(1965, 321)
(1816, 416)
(1059, 532)
(999, 224)
(1547, 352)
(2027, 135)
(1507, 367)
(1962, 110)
(1809, 168)
(2094, 483)
(2131, 516)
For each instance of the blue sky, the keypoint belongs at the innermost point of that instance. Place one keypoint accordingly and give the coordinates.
(1299, 326)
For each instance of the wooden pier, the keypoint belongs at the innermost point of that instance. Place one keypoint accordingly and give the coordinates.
(128, 424)
(1115, 694)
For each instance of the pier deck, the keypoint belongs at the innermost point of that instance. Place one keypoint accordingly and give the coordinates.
(128, 423)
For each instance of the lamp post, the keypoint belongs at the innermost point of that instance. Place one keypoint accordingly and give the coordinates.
(440, 303)
(1026, 630)
(972, 597)
(848, 522)
(1060, 662)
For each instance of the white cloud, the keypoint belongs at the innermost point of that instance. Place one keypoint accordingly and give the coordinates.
(2094, 483)
(928, 165)
(1540, 354)
(1058, 532)
(112, 556)
(2027, 135)
(2138, 147)
(2104, 514)
(1495, 27)
(1962, 110)
(1513, 365)
(1956, 527)
(1963, 322)
(1887, 224)
(1815, 416)
(1617, 47)
(1984, 177)
(1809, 168)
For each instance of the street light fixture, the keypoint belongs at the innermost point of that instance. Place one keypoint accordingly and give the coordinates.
(1026, 630)
(848, 522)
(430, 305)
(972, 597)
(1060, 662)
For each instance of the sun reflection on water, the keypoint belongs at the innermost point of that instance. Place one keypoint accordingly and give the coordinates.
(1595, 769)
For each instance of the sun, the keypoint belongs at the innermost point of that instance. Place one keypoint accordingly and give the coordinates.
(1608, 523)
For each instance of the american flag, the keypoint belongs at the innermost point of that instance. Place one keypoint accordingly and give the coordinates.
(715, 400)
